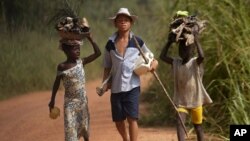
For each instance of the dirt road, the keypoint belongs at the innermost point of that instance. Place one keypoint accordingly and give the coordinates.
(25, 118)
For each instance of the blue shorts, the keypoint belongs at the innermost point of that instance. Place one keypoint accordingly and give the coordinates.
(125, 104)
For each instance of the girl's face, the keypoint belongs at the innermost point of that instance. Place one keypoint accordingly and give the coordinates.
(73, 52)
(123, 23)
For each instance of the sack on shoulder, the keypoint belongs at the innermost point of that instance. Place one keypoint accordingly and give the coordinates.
(141, 67)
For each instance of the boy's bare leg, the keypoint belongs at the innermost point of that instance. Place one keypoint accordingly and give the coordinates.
(133, 129)
(199, 132)
(180, 131)
(121, 127)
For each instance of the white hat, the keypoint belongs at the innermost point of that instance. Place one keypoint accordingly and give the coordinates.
(124, 11)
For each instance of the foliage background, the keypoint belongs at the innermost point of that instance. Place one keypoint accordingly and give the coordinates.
(29, 54)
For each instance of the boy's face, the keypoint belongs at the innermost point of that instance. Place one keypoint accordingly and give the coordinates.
(123, 22)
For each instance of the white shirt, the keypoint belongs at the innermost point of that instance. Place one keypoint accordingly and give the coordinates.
(123, 77)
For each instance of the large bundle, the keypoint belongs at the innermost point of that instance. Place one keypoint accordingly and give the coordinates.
(73, 28)
(184, 27)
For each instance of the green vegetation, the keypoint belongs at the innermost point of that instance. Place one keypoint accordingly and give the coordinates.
(29, 54)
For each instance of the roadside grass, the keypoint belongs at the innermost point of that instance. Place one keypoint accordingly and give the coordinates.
(29, 60)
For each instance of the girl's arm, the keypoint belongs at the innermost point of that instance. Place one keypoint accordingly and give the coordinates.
(199, 49)
(54, 91)
(164, 52)
(96, 54)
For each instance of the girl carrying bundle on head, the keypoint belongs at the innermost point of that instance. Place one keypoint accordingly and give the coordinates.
(71, 72)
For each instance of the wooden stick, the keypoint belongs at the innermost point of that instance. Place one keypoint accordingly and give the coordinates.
(164, 89)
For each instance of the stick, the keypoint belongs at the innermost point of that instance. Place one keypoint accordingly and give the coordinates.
(158, 79)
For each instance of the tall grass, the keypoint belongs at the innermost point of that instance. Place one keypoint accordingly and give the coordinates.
(233, 46)
(27, 62)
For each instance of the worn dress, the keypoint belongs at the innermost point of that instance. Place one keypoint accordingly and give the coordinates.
(189, 91)
(76, 113)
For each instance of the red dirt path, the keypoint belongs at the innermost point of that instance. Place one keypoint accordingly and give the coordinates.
(25, 118)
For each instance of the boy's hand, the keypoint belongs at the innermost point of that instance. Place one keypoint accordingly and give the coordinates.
(107, 86)
(101, 90)
(153, 65)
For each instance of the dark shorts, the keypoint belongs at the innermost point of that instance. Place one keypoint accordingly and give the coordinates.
(125, 104)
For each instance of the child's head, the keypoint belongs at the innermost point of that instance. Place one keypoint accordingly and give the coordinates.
(123, 19)
(123, 22)
(71, 48)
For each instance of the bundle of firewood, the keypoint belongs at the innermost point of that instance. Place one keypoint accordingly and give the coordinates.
(184, 27)
(73, 28)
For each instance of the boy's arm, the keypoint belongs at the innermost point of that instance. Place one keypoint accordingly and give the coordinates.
(164, 53)
(105, 76)
(96, 54)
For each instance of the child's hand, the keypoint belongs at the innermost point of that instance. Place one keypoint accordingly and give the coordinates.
(153, 65)
(89, 36)
(101, 90)
(107, 86)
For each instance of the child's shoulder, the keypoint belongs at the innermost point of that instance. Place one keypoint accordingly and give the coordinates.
(66, 65)
(62, 66)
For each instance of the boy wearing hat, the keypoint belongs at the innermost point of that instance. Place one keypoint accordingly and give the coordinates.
(120, 55)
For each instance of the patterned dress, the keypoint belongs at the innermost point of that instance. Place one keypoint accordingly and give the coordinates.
(76, 113)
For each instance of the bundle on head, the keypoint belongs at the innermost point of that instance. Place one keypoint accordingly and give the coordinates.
(72, 28)
(184, 27)
(67, 22)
